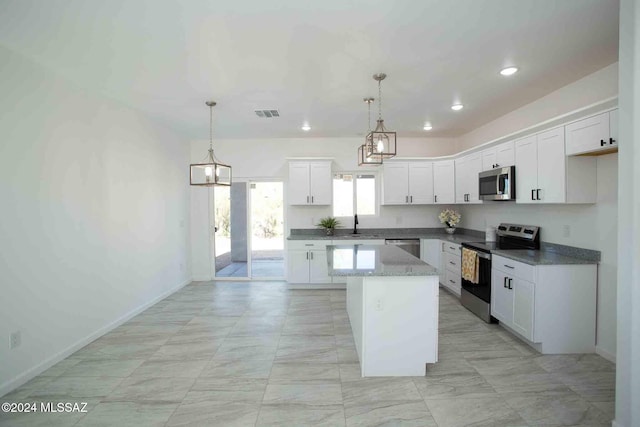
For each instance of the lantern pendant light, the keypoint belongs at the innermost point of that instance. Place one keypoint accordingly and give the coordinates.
(211, 172)
(365, 156)
(380, 141)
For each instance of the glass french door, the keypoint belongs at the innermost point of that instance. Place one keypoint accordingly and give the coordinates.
(248, 220)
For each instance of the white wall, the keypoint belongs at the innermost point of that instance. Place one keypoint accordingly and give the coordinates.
(94, 218)
(628, 360)
(591, 89)
(591, 227)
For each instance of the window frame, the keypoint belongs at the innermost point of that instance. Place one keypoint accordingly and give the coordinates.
(354, 195)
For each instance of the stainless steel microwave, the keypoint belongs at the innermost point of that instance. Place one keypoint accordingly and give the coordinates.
(498, 184)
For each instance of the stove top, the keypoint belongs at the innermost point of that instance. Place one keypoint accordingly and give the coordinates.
(510, 236)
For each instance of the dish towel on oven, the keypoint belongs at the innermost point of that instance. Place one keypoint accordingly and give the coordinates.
(470, 265)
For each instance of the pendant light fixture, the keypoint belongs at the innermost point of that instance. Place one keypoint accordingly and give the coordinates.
(381, 141)
(365, 156)
(212, 172)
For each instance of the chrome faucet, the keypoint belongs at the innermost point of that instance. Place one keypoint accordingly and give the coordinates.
(355, 224)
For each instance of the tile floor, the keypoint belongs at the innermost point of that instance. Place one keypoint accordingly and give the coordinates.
(257, 354)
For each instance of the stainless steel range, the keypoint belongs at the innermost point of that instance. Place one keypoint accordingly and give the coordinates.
(476, 292)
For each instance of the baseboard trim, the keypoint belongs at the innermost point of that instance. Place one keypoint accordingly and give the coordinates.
(615, 424)
(33, 372)
(607, 355)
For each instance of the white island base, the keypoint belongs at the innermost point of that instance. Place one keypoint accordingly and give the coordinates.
(395, 323)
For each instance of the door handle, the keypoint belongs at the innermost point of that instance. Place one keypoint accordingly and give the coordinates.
(505, 282)
(602, 143)
(611, 140)
(532, 197)
(510, 283)
(538, 194)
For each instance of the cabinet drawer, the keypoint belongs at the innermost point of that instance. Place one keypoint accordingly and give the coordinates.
(452, 280)
(452, 262)
(514, 268)
(452, 248)
(300, 245)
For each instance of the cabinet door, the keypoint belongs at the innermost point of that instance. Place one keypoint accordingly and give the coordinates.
(461, 179)
(501, 297)
(587, 135)
(420, 183)
(395, 182)
(474, 167)
(298, 266)
(430, 252)
(613, 128)
(489, 159)
(551, 167)
(321, 184)
(444, 179)
(318, 270)
(523, 300)
(505, 155)
(526, 169)
(298, 185)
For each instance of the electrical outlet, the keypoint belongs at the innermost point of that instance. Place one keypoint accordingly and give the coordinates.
(16, 339)
(566, 231)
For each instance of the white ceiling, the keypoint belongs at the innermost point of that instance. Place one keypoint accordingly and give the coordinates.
(314, 61)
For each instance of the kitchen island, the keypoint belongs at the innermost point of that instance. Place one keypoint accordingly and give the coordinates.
(392, 303)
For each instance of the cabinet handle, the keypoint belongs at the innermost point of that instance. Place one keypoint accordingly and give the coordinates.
(452, 263)
(452, 248)
(504, 285)
(538, 194)
(508, 266)
(311, 255)
(307, 255)
(497, 165)
(311, 199)
(611, 140)
(510, 283)
(411, 197)
(602, 143)
(452, 281)
(435, 199)
(307, 199)
(532, 197)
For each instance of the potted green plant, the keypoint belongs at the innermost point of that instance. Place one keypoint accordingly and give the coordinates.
(329, 224)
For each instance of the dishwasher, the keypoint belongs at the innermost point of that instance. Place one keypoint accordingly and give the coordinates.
(409, 245)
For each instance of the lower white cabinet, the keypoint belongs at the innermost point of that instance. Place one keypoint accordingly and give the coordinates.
(553, 307)
(451, 259)
(307, 261)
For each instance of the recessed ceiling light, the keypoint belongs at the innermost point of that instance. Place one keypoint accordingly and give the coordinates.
(509, 71)
(306, 127)
(427, 126)
(457, 107)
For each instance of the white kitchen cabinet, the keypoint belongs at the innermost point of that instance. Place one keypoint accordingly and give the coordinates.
(444, 187)
(467, 169)
(594, 134)
(307, 261)
(310, 182)
(407, 183)
(451, 259)
(552, 307)
(500, 156)
(545, 175)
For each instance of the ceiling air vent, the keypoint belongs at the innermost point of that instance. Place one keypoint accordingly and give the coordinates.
(267, 114)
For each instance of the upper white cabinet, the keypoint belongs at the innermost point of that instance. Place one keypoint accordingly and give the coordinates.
(545, 175)
(499, 156)
(467, 169)
(407, 183)
(444, 182)
(310, 182)
(594, 134)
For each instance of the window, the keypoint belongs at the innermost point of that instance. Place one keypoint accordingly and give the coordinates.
(354, 193)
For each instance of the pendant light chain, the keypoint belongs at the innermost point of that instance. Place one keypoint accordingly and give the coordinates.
(369, 104)
(379, 99)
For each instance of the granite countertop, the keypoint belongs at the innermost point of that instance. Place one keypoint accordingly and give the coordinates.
(550, 254)
(532, 257)
(375, 260)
